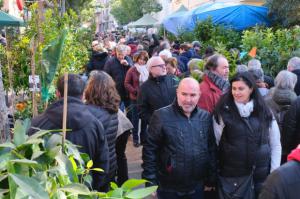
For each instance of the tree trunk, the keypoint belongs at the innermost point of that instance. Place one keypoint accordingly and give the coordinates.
(4, 132)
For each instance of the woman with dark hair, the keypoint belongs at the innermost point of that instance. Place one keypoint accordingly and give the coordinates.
(103, 102)
(247, 134)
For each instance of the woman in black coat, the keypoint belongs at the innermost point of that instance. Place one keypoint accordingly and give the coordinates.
(247, 135)
(103, 102)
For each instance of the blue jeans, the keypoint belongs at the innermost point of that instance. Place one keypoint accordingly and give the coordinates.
(197, 193)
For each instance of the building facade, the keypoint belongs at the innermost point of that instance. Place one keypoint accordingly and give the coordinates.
(105, 21)
(12, 8)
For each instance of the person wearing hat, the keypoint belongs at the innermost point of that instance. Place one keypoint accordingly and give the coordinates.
(158, 91)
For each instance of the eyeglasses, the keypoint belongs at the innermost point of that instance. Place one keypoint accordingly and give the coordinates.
(160, 65)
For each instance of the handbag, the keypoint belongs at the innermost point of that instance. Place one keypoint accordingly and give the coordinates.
(238, 187)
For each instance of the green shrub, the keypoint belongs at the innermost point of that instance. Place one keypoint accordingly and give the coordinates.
(274, 47)
(38, 166)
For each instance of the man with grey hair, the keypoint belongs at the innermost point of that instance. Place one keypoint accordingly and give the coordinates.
(294, 67)
(117, 68)
(158, 91)
(255, 64)
(258, 75)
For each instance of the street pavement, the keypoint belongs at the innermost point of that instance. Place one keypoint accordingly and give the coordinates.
(134, 160)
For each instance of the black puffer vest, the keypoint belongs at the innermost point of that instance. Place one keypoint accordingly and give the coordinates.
(240, 147)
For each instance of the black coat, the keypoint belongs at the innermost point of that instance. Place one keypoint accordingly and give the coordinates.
(179, 152)
(110, 124)
(87, 132)
(184, 58)
(97, 61)
(290, 137)
(241, 147)
(283, 183)
(118, 72)
(297, 87)
(156, 93)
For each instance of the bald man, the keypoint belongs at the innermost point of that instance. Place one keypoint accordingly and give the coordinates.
(179, 153)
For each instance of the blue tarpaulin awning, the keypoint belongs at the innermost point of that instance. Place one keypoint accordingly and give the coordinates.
(232, 15)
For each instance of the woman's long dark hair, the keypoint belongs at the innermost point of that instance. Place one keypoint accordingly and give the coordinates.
(101, 91)
(260, 108)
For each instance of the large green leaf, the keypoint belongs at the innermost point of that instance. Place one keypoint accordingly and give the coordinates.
(59, 195)
(4, 158)
(3, 191)
(24, 162)
(7, 145)
(132, 183)
(2, 177)
(34, 141)
(141, 193)
(37, 154)
(116, 193)
(21, 195)
(30, 186)
(53, 141)
(66, 167)
(38, 134)
(113, 185)
(76, 188)
(73, 150)
(20, 130)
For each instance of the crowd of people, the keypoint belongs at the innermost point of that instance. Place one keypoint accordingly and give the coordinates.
(206, 139)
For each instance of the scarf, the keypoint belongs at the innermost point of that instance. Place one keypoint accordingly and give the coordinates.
(218, 81)
(144, 73)
(245, 109)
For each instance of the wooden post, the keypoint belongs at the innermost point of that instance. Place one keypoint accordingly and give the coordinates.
(34, 104)
(65, 110)
(4, 132)
(40, 36)
(8, 56)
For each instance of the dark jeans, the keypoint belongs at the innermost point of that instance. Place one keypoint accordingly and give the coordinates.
(134, 120)
(133, 110)
(143, 132)
(122, 171)
(197, 193)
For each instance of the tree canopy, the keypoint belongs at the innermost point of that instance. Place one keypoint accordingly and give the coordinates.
(284, 12)
(126, 11)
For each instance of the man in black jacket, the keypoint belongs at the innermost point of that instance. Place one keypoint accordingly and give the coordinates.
(179, 153)
(87, 131)
(117, 68)
(158, 91)
(284, 182)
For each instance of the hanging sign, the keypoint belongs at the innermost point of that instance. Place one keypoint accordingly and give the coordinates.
(34, 84)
